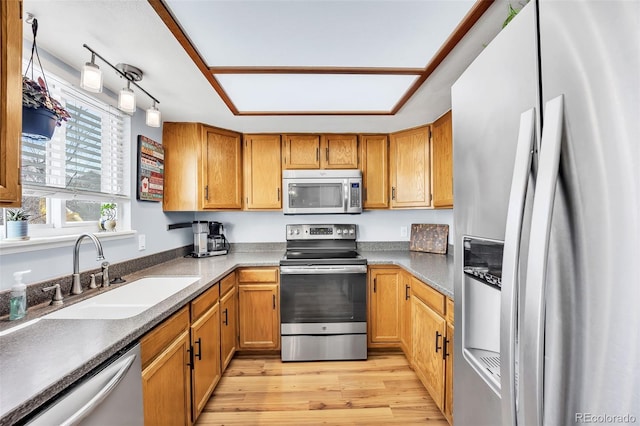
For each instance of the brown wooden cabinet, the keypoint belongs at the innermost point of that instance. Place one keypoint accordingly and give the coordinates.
(205, 344)
(10, 102)
(409, 170)
(374, 163)
(166, 372)
(258, 308)
(339, 152)
(448, 385)
(301, 151)
(405, 314)
(442, 162)
(202, 168)
(262, 172)
(384, 311)
(228, 319)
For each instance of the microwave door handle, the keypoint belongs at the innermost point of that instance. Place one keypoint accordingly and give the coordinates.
(345, 187)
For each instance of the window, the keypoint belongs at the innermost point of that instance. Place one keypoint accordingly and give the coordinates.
(85, 165)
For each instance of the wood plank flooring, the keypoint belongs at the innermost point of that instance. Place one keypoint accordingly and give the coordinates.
(265, 391)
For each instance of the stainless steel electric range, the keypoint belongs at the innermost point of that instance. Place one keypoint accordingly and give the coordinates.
(323, 294)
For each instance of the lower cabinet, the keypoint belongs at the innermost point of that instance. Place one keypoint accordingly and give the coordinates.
(405, 314)
(384, 307)
(448, 385)
(259, 309)
(228, 319)
(166, 372)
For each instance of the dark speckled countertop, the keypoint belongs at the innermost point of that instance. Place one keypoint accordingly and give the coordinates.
(41, 360)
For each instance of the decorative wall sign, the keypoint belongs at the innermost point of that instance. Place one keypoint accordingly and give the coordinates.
(150, 170)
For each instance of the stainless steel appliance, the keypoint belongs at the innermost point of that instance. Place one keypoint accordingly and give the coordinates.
(323, 294)
(322, 191)
(112, 396)
(208, 239)
(546, 131)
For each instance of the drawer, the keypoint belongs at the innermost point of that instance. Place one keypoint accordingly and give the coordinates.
(432, 298)
(202, 303)
(450, 307)
(154, 342)
(227, 283)
(258, 275)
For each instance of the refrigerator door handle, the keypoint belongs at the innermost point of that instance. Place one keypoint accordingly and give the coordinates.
(509, 291)
(531, 369)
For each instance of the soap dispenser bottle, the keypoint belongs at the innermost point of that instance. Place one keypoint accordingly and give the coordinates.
(18, 301)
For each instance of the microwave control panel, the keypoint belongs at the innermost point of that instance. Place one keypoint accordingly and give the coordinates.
(354, 196)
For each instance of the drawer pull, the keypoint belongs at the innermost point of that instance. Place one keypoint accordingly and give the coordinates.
(199, 354)
(438, 335)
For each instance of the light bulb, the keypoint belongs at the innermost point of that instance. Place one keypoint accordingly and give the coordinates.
(127, 100)
(153, 116)
(91, 78)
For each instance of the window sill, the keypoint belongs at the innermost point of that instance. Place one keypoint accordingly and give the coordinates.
(44, 243)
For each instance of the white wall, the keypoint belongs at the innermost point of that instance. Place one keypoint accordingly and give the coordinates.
(373, 225)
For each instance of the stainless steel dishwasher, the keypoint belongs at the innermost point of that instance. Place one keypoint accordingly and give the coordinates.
(112, 396)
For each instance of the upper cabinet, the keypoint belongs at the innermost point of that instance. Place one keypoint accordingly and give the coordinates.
(312, 151)
(203, 168)
(339, 152)
(374, 163)
(442, 164)
(10, 102)
(262, 172)
(301, 152)
(410, 168)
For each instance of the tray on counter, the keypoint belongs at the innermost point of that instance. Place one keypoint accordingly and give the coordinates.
(429, 238)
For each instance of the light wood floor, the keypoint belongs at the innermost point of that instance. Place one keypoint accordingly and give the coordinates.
(265, 391)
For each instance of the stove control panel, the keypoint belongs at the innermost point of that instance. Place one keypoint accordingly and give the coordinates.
(321, 232)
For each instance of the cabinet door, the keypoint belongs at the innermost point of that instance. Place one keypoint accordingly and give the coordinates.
(442, 151)
(222, 170)
(205, 344)
(183, 184)
(374, 163)
(228, 326)
(410, 168)
(258, 316)
(262, 172)
(384, 287)
(339, 152)
(405, 314)
(166, 386)
(448, 386)
(429, 330)
(10, 104)
(301, 152)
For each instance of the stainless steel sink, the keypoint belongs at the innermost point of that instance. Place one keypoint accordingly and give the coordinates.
(127, 301)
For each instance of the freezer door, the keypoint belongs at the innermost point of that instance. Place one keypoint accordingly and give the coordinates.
(590, 54)
(487, 103)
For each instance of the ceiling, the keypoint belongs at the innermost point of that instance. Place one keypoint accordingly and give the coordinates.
(368, 54)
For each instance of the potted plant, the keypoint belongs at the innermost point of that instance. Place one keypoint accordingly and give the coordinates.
(17, 225)
(40, 112)
(108, 214)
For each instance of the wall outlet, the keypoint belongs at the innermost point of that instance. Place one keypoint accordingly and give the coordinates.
(142, 242)
(403, 231)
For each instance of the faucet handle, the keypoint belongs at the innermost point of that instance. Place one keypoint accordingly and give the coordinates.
(92, 284)
(105, 274)
(57, 295)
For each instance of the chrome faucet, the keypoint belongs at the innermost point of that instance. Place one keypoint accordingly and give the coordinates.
(76, 287)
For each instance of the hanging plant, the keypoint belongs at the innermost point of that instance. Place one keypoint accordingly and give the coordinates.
(513, 12)
(40, 112)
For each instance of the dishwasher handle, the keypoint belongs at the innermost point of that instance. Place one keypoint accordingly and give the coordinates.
(95, 401)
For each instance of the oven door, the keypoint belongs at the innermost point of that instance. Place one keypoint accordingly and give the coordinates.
(323, 299)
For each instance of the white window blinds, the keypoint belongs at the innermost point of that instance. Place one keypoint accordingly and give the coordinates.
(86, 155)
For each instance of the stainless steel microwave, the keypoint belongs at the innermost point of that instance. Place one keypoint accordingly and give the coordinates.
(322, 191)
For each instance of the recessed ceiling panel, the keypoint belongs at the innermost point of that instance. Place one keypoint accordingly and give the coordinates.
(318, 33)
(314, 92)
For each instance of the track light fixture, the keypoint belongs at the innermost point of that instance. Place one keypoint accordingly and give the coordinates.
(91, 80)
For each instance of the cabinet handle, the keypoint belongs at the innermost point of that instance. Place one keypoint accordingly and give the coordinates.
(445, 353)
(375, 284)
(274, 302)
(317, 154)
(206, 192)
(393, 192)
(190, 363)
(406, 292)
(326, 150)
(438, 335)
(226, 316)
(278, 194)
(199, 354)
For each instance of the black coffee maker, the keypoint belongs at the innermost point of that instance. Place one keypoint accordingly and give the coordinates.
(216, 241)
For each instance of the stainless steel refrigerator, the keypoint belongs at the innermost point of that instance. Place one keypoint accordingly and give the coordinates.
(546, 137)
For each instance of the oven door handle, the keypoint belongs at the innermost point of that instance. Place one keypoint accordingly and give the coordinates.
(323, 269)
